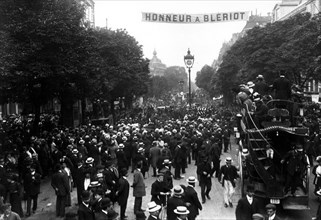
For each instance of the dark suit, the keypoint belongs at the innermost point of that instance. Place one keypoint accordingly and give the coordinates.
(122, 195)
(101, 216)
(282, 87)
(245, 210)
(152, 218)
(191, 197)
(79, 178)
(32, 189)
(157, 188)
(172, 204)
(85, 213)
(60, 184)
(204, 169)
(275, 218)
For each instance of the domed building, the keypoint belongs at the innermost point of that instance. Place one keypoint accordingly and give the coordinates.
(156, 67)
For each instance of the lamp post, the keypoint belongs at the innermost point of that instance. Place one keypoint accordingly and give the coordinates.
(189, 61)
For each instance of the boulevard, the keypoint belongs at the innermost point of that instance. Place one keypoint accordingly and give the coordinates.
(212, 210)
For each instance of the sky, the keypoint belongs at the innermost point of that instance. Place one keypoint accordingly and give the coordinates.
(171, 41)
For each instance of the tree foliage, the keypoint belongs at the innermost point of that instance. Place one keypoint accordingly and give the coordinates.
(288, 45)
(204, 78)
(47, 51)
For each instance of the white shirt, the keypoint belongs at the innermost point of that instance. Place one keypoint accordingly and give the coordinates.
(272, 217)
(250, 199)
(86, 183)
(87, 205)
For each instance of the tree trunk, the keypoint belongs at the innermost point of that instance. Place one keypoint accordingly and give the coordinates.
(35, 128)
(66, 112)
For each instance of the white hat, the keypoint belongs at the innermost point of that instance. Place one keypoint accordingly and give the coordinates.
(140, 150)
(191, 179)
(178, 190)
(89, 160)
(153, 207)
(181, 210)
(250, 84)
(228, 159)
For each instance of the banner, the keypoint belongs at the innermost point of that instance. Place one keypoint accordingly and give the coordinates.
(195, 18)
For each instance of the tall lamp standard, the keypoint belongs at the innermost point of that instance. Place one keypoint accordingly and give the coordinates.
(189, 61)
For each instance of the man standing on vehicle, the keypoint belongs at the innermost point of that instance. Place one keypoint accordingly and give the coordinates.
(227, 178)
(295, 163)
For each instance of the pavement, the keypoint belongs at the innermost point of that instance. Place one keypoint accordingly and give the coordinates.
(213, 209)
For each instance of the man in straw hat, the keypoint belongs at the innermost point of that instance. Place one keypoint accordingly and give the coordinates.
(191, 198)
(153, 210)
(182, 213)
(227, 178)
(174, 201)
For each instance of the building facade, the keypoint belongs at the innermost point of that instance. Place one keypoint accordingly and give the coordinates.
(156, 67)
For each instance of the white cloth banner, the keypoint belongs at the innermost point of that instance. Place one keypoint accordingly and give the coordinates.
(195, 18)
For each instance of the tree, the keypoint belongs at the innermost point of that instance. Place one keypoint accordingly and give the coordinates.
(288, 45)
(204, 77)
(44, 52)
(122, 72)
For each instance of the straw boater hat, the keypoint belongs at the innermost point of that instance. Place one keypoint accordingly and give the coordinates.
(250, 84)
(228, 159)
(191, 179)
(81, 141)
(75, 151)
(178, 190)
(181, 210)
(121, 145)
(89, 160)
(153, 207)
(140, 150)
(167, 162)
(94, 184)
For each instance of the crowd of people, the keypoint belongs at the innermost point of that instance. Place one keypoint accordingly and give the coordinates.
(97, 159)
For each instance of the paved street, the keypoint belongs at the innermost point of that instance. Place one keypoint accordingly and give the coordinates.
(213, 209)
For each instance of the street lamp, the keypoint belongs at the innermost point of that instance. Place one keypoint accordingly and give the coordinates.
(189, 61)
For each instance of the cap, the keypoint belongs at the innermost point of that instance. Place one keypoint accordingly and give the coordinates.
(257, 216)
(270, 206)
